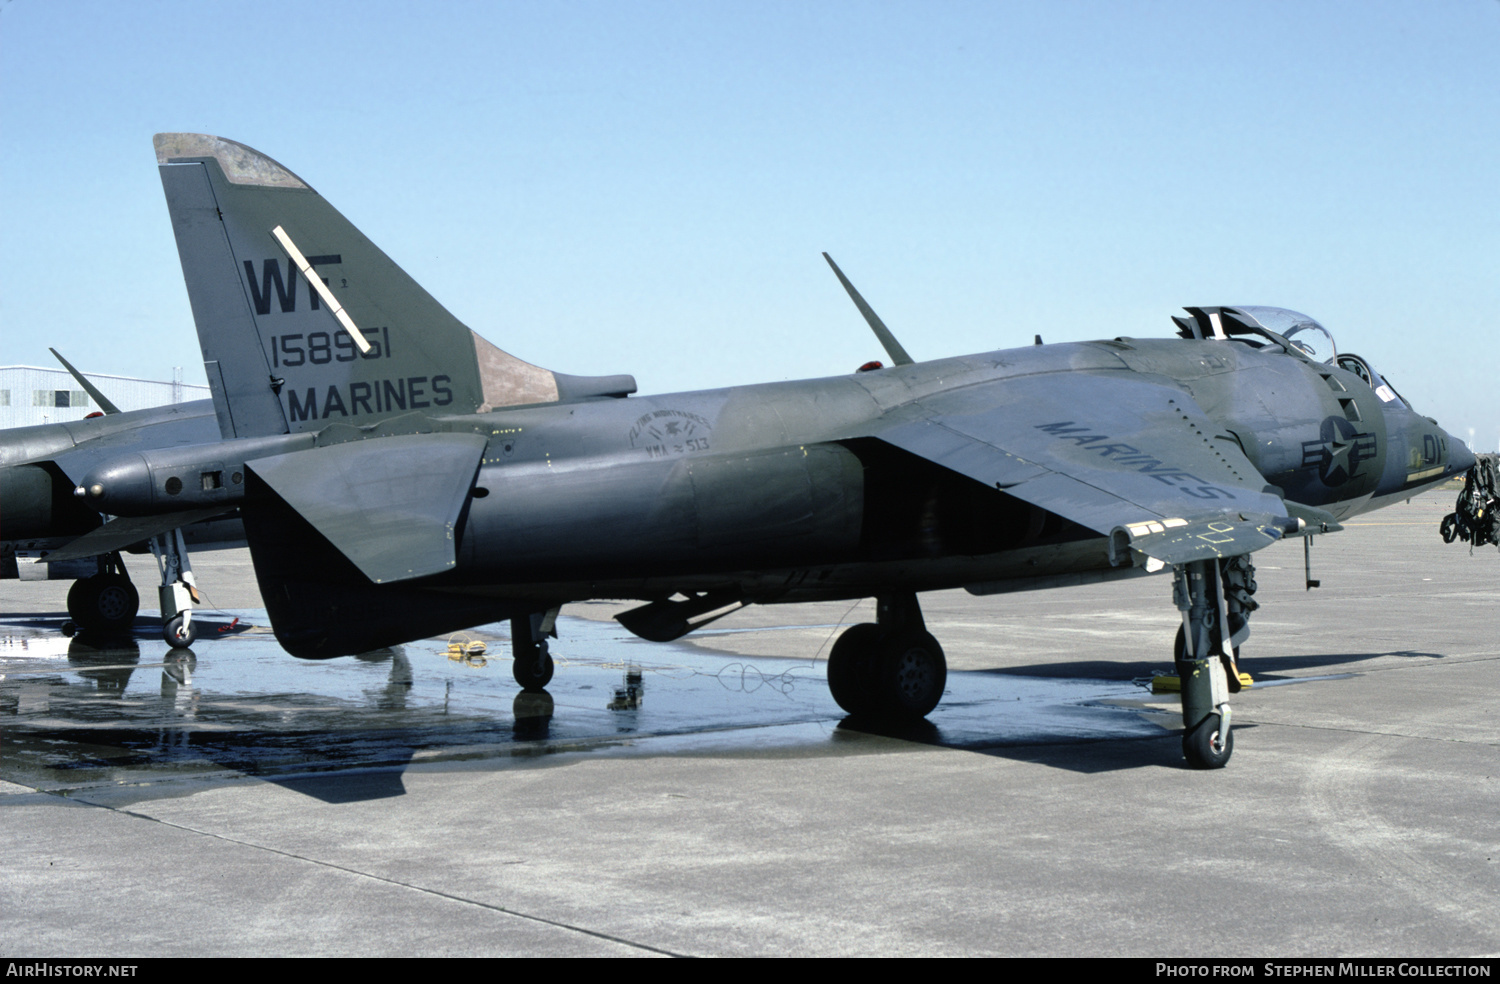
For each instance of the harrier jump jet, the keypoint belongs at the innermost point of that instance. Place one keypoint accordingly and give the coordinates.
(48, 531)
(399, 476)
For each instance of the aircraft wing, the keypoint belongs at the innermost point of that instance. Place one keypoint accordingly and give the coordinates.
(1111, 451)
(125, 531)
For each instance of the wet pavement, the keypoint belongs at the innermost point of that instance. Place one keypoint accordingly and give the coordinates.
(707, 797)
(84, 713)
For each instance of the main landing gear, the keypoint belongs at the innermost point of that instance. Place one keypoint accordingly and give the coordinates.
(104, 603)
(528, 644)
(1214, 597)
(891, 671)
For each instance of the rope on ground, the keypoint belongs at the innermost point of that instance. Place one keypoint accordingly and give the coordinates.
(470, 652)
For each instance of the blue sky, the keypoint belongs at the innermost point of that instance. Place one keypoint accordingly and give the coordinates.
(645, 187)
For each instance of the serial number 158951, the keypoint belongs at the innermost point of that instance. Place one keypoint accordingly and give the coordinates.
(322, 347)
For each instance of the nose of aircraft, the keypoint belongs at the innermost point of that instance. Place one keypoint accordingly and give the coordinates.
(1460, 458)
(1419, 455)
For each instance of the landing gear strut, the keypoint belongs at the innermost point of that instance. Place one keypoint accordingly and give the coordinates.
(178, 592)
(891, 671)
(105, 602)
(528, 644)
(1214, 597)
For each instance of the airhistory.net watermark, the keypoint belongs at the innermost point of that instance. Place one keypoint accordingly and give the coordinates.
(48, 968)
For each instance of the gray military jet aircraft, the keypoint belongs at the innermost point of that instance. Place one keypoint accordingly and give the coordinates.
(401, 477)
(41, 514)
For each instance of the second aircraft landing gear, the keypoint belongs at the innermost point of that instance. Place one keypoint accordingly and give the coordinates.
(892, 672)
(105, 602)
(178, 592)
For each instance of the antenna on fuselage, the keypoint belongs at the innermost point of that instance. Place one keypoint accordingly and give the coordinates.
(93, 391)
(887, 340)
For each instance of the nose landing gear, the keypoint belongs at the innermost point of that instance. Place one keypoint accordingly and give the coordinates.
(1214, 597)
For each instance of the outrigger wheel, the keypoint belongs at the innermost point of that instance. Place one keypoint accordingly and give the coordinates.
(892, 673)
(533, 671)
(532, 665)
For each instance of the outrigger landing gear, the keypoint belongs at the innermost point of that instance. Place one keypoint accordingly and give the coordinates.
(892, 672)
(105, 602)
(528, 644)
(1214, 597)
(178, 592)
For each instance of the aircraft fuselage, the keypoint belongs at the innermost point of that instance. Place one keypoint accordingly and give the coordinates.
(767, 484)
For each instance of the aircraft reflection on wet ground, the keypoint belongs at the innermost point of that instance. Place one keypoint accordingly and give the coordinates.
(80, 713)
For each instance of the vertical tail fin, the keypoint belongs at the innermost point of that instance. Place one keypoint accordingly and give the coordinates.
(365, 343)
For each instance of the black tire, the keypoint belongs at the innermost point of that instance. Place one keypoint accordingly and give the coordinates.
(534, 673)
(105, 603)
(1207, 746)
(849, 668)
(909, 677)
(179, 635)
(81, 600)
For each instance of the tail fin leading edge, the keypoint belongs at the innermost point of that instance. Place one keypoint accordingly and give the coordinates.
(278, 356)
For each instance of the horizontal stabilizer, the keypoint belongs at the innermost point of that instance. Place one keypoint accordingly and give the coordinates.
(390, 505)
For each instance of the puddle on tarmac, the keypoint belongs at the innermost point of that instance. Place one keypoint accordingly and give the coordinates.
(77, 714)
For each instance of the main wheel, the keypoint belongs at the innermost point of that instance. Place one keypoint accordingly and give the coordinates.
(536, 672)
(849, 668)
(81, 600)
(909, 676)
(179, 633)
(1208, 745)
(103, 603)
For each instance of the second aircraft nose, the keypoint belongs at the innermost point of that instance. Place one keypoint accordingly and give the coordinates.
(1460, 458)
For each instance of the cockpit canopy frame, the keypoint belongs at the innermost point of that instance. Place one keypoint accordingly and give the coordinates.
(1263, 326)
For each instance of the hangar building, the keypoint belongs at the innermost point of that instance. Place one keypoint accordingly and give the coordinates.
(36, 395)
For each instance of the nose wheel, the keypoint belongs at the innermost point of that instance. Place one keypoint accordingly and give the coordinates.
(1209, 745)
